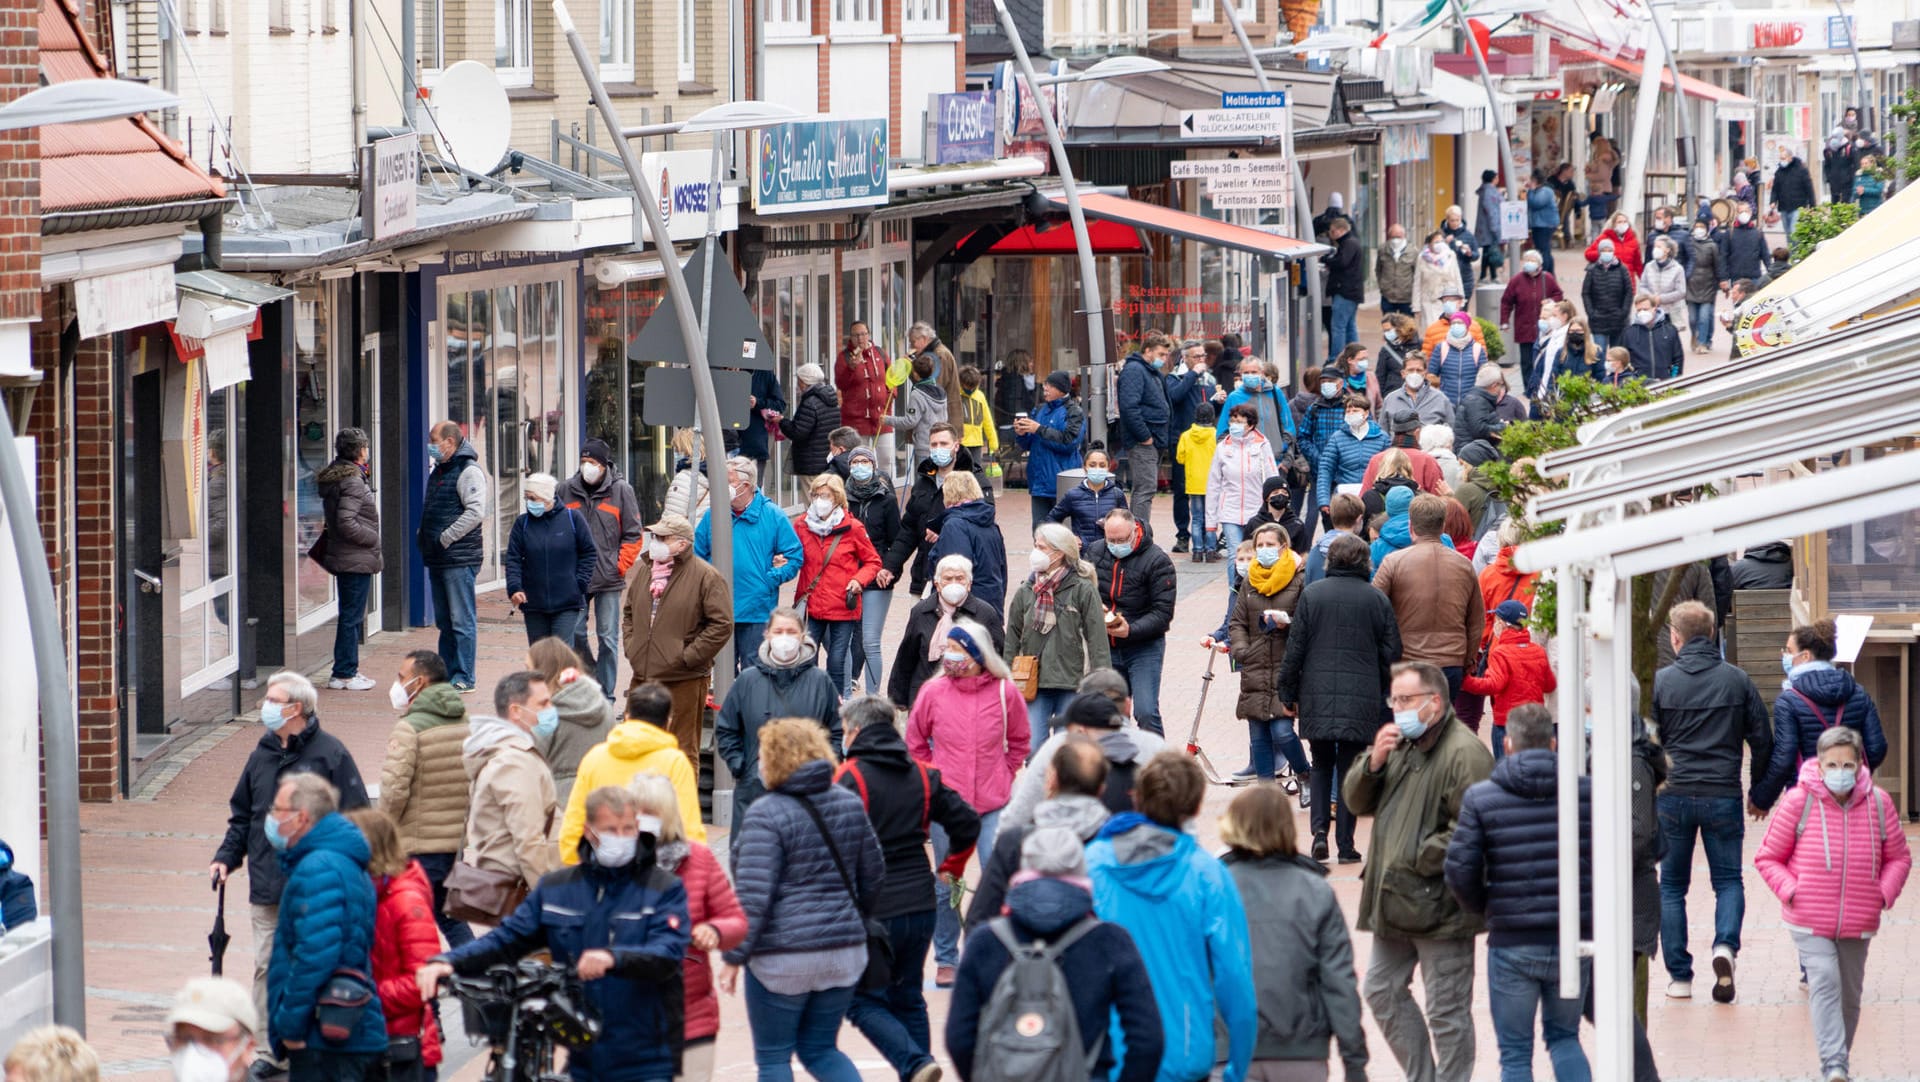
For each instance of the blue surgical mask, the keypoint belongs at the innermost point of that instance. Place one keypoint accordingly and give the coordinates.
(1159, 362)
(1786, 663)
(861, 472)
(1237, 428)
(433, 452)
(1250, 382)
(1411, 727)
(1840, 779)
(1267, 555)
(1098, 477)
(1120, 549)
(941, 456)
(274, 837)
(545, 722)
(273, 715)
(536, 508)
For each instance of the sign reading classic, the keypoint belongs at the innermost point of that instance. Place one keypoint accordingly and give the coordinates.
(813, 165)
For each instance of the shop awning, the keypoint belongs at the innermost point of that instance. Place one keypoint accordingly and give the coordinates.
(1107, 238)
(219, 314)
(1178, 223)
(1727, 105)
(1860, 275)
(1464, 105)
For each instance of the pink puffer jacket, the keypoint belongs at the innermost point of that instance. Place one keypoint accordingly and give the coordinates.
(975, 731)
(1833, 868)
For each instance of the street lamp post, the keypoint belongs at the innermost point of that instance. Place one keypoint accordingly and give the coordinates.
(1515, 182)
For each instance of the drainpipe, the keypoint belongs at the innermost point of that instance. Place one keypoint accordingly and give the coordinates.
(356, 50)
(409, 61)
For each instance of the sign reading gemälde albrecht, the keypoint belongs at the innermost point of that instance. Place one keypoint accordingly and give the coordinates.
(813, 165)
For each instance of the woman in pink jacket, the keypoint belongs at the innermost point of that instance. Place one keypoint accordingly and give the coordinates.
(1835, 855)
(970, 722)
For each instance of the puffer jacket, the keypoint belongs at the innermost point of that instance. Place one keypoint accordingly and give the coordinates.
(312, 750)
(585, 718)
(1344, 460)
(1502, 581)
(1743, 253)
(612, 514)
(423, 785)
(823, 583)
(1813, 701)
(1607, 295)
(353, 519)
(1478, 418)
(1457, 366)
(1415, 803)
(914, 662)
(1517, 673)
(551, 559)
(1834, 867)
(1704, 273)
(784, 875)
(510, 826)
(1394, 274)
(970, 530)
(632, 748)
(764, 691)
(1793, 186)
(1668, 284)
(1140, 586)
(1341, 648)
(710, 900)
(925, 509)
(807, 428)
(1082, 507)
(1504, 859)
(1257, 649)
(1078, 642)
(405, 937)
(17, 905)
(326, 923)
(1654, 350)
(1436, 597)
(678, 640)
(970, 728)
(760, 532)
(456, 499)
(1625, 245)
(1303, 975)
(902, 797)
(879, 512)
(1054, 446)
(1766, 567)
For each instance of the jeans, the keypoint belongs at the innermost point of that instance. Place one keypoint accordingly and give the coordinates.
(1499, 743)
(559, 625)
(1040, 712)
(1455, 675)
(746, 644)
(873, 620)
(1197, 520)
(1042, 506)
(1143, 479)
(1543, 243)
(1141, 663)
(837, 639)
(322, 1065)
(1231, 534)
(1718, 822)
(895, 1018)
(1700, 320)
(1601, 343)
(346, 628)
(437, 865)
(1388, 307)
(1788, 218)
(1836, 970)
(602, 650)
(451, 589)
(1276, 734)
(1523, 980)
(1330, 760)
(1446, 966)
(807, 1025)
(1344, 329)
(946, 919)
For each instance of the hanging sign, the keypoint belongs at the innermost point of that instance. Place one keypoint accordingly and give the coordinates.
(966, 127)
(813, 165)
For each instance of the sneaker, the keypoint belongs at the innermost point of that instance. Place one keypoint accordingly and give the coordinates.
(464, 689)
(1350, 858)
(1290, 784)
(1723, 974)
(1243, 775)
(943, 977)
(356, 682)
(1838, 1074)
(1679, 989)
(1319, 847)
(1179, 545)
(265, 1070)
(928, 1072)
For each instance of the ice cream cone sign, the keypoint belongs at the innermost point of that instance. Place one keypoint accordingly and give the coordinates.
(1300, 16)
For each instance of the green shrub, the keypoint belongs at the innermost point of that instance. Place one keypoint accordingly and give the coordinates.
(1496, 345)
(1823, 222)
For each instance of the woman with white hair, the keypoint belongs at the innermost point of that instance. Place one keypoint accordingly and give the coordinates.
(1056, 616)
(1437, 442)
(967, 722)
(550, 560)
(924, 638)
(813, 419)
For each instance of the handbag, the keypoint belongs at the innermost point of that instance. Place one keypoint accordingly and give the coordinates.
(402, 1059)
(317, 552)
(879, 971)
(482, 895)
(1026, 674)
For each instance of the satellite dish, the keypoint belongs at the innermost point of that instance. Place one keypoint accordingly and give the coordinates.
(473, 122)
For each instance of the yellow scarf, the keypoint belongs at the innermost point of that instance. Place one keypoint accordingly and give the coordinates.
(1271, 580)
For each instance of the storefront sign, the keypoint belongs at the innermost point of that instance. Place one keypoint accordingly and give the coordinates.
(1020, 120)
(390, 190)
(1233, 123)
(820, 165)
(965, 127)
(1403, 143)
(1798, 33)
(1513, 219)
(683, 182)
(123, 301)
(1197, 168)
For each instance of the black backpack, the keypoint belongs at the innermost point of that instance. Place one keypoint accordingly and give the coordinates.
(1029, 1031)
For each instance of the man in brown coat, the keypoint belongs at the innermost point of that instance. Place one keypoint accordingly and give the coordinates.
(677, 616)
(423, 785)
(1435, 595)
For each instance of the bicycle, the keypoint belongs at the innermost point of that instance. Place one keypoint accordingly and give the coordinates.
(526, 1011)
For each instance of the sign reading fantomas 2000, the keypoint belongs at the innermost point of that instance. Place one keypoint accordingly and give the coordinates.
(820, 165)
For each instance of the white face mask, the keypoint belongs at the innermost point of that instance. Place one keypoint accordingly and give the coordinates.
(592, 472)
(1439, 247)
(953, 593)
(1530, 267)
(1041, 561)
(399, 696)
(821, 507)
(1357, 423)
(1643, 317)
(194, 1062)
(658, 552)
(1398, 244)
(783, 648)
(1700, 233)
(1745, 218)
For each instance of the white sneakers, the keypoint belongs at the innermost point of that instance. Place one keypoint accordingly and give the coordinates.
(355, 683)
(1723, 974)
(1679, 990)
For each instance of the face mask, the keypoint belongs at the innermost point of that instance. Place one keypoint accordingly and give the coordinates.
(1644, 318)
(536, 508)
(612, 851)
(433, 452)
(1390, 335)
(1439, 247)
(1098, 477)
(1158, 362)
(1546, 326)
(861, 472)
(198, 1063)
(1267, 555)
(1457, 336)
(545, 722)
(1414, 383)
(1250, 382)
(1243, 565)
(1357, 423)
(1744, 218)
(1041, 562)
(1608, 259)
(1840, 779)
(274, 837)
(821, 507)
(1120, 549)
(1398, 244)
(1662, 258)
(954, 664)
(399, 696)
(941, 456)
(1530, 267)
(658, 552)
(1411, 727)
(1576, 341)
(1619, 230)
(273, 715)
(1449, 307)
(1237, 428)
(740, 497)
(783, 648)
(1359, 369)
(953, 593)
(1786, 663)
(1329, 388)
(1700, 234)
(592, 472)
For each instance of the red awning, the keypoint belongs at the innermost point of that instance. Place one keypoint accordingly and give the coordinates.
(1178, 223)
(1108, 238)
(1690, 86)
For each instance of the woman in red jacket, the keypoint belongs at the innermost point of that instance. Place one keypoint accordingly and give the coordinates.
(718, 921)
(838, 565)
(405, 936)
(1517, 671)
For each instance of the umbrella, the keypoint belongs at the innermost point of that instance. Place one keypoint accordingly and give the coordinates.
(218, 939)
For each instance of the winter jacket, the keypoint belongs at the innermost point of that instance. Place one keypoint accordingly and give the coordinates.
(423, 785)
(451, 511)
(925, 406)
(1393, 275)
(860, 376)
(1486, 223)
(1139, 586)
(1504, 859)
(612, 514)
(1678, 233)
(764, 691)
(767, 395)
(970, 530)
(552, 560)
(1743, 251)
(1241, 467)
(1126, 750)
(1766, 567)
(639, 913)
(784, 873)
(1258, 649)
(1668, 284)
(1436, 597)
(970, 727)
(823, 583)
(353, 519)
(1431, 281)
(1436, 333)
(510, 826)
(678, 639)
(1518, 672)
(1078, 642)
(1303, 974)
(1834, 866)
(817, 415)
(1704, 271)
(1345, 459)
(1478, 418)
(1654, 350)
(327, 917)
(1428, 473)
(977, 429)
(902, 798)
(1703, 708)
(1814, 700)
(1607, 296)
(1083, 506)
(1521, 301)
(1649, 837)
(309, 751)
(1431, 406)
(879, 513)
(632, 748)
(1184, 913)
(1543, 208)
(1347, 270)
(1145, 414)
(1083, 815)
(1277, 422)
(926, 509)
(1501, 581)
(1415, 802)
(1869, 191)
(1104, 976)
(1625, 245)
(1323, 418)
(1340, 653)
(1299, 534)
(17, 905)
(1457, 366)
(1465, 250)
(406, 937)
(1054, 446)
(1194, 455)
(710, 900)
(585, 719)
(1696, 584)
(760, 532)
(912, 664)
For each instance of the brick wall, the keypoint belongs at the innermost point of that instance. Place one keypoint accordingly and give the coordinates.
(19, 164)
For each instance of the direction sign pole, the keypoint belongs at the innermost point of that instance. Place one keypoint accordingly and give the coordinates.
(1516, 184)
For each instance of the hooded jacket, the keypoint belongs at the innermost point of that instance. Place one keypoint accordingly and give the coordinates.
(1298, 533)
(678, 640)
(760, 532)
(1607, 295)
(1104, 975)
(585, 718)
(879, 512)
(1185, 916)
(1078, 642)
(807, 428)
(551, 559)
(1814, 700)
(1517, 673)
(1145, 414)
(1504, 859)
(767, 395)
(1257, 649)
(784, 875)
(1834, 867)
(309, 751)
(406, 937)
(1703, 709)
(1478, 418)
(1654, 350)
(1436, 597)
(710, 900)
(1458, 365)
(823, 582)
(1140, 586)
(912, 665)
(1340, 651)
(1502, 581)
(1082, 507)
(925, 405)
(1241, 467)
(1767, 567)
(764, 691)
(1625, 245)
(1343, 461)
(423, 784)
(900, 806)
(1126, 750)
(1082, 814)
(1303, 974)
(326, 923)
(926, 509)
(353, 519)
(969, 727)
(970, 530)
(1054, 446)
(17, 905)
(510, 827)
(630, 749)
(1396, 532)
(612, 514)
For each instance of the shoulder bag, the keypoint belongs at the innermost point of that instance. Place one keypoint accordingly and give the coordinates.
(484, 895)
(826, 561)
(1026, 675)
(879, 972)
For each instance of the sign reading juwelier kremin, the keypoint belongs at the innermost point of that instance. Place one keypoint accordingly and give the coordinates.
(820, 165)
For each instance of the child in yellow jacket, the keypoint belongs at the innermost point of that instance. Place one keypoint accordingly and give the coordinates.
(978, 434)
(1195, 454)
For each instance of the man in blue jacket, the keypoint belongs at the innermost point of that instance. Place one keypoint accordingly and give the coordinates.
(1191, 384)
(1052, 438)
(1815, 697)
(326, 924)
(766, 554)
(17, 906)
(1184, 913)
(1145, 419)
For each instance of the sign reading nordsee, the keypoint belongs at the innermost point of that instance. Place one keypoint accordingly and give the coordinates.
(812, 165)
(682, 181)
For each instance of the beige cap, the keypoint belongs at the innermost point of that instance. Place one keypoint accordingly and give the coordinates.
(216, 1005)
(672, 526)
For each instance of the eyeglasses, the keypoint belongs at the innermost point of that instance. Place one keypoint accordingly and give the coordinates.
(1404, 702)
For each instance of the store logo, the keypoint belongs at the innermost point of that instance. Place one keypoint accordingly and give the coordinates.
(666, 196)
(1778, 35)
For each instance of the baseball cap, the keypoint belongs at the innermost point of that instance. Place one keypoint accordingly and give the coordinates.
(1511, 611)
(1091, 710)
(216, 1005)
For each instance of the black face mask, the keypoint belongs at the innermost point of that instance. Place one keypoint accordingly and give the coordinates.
(1279, 503)
(1575, 341)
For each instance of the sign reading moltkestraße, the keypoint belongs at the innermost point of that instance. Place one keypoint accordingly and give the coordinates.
(812, 165)
(966, 127)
